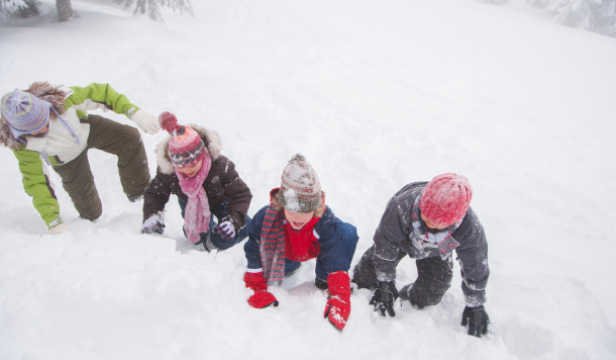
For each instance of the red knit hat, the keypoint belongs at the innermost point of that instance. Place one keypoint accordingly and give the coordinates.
(185, 146)
(445, 199)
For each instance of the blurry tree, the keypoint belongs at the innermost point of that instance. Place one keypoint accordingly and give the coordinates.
(65, 11)
(18, 8)
(594, 15)
(152, 7)
(542, 4)
(27, 8)
(494, 2)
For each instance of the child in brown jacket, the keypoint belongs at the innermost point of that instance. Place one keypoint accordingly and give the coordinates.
(205, 182)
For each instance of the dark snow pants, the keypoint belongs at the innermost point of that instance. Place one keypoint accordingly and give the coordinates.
(220, 212)
(124, 141)
(433, 277)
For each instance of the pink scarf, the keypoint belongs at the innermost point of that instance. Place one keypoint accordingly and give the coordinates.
(197, 214)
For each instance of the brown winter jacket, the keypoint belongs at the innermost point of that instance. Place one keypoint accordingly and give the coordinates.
(222, 181)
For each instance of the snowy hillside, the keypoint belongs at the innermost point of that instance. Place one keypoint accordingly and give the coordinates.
(376, 94)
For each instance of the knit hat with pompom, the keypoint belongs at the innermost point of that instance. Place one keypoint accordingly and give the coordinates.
(300, 190)
(185, 145)
(445, 199)
(25, 112)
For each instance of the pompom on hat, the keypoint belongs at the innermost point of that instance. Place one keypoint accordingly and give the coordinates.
(446, 199)
(25, 112)
(185, 145)
(300, 190)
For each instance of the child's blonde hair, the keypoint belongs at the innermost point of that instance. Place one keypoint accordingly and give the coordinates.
(317, 213)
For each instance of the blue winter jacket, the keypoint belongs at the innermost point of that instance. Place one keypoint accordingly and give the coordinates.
(330, 232)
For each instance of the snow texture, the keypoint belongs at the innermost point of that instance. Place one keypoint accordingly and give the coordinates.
(10, 8)
(376, 95)
(159, 217)
(291, 201)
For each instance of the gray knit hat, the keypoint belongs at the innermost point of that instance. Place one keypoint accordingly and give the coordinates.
(300, 190)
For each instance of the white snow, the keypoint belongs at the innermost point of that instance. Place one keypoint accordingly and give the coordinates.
(376, 95)
(292, 201)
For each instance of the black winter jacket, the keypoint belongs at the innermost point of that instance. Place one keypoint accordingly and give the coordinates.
(393, 236)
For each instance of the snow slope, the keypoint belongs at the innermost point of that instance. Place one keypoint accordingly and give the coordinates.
(375, 95)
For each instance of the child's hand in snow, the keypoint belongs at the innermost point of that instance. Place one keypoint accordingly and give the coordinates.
(226, 229)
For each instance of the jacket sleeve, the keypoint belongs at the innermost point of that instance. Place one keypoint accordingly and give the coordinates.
(252, 247)
(332, 255)
(156, 196)
(238, 193)
(36, 183)
(392, 230)
(473, 259)
(96, 96)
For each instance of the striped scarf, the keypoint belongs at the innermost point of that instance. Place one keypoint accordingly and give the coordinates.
(273, 246)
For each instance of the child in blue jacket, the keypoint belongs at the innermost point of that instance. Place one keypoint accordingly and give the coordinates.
(297, 226)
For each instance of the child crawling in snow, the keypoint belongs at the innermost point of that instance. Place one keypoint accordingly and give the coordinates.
(205, 182)
(295, 227)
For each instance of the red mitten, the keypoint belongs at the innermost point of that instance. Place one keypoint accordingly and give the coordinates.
(338, 305)
(261, 298)
(255, 281)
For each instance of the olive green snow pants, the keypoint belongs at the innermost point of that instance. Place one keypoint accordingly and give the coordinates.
(112, 137)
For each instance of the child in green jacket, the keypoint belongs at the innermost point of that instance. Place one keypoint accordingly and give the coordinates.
(49, 125)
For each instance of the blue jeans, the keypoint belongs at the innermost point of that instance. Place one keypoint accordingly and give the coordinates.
(220, 212)
(350, 239)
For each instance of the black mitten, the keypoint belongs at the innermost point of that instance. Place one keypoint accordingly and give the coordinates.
(384, 296)
(477, 320)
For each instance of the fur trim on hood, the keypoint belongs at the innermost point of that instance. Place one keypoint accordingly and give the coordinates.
(210, 139)
(52, 94)
(42, 90)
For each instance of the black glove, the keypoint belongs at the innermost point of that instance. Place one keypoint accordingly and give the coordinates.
(153, 227)
(384, 297)
(226, 229)
(477, 320)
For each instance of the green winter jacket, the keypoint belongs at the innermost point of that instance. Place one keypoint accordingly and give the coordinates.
(60, 146)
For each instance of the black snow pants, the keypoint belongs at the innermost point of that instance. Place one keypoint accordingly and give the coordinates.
(433, 278)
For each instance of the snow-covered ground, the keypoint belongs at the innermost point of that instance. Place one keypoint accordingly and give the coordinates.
(376, 94)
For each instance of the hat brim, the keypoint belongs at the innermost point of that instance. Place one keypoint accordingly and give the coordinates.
(298, 205)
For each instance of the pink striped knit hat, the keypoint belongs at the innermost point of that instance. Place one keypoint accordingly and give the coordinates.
(185, 146)
(300, 190)
(446, 198)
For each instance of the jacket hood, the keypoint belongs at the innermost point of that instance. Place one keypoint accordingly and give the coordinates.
(210, 139)
(42, 90)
